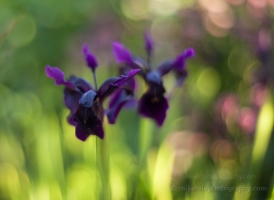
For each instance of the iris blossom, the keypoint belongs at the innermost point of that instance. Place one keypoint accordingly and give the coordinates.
(85, 102)
(153, 104)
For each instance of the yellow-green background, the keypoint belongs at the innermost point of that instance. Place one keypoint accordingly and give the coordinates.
(215, 131)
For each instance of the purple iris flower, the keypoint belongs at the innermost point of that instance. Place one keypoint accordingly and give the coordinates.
(153, 104)
(85, 102)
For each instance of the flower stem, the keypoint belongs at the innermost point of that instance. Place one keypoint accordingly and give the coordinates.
(95, 79)
(145, 142)
(102, 150)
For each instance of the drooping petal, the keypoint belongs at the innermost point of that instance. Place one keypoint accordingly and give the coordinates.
(71, 119)
(179, 62)
(131, 84)
(180, 76)
(119, 99)
(72, 96)
(153, 107)
(81, 84)
(148, 43)
(105, 85)
(110, 85)
(121, 54)
(71, 99)
(88, 123)
(123, 98)
(89, 115)
(90, 59)
(99, 131)
(81, 132)
(115, 97)
(155, 83)
(87, 99)
(131, 103)
(56, 74)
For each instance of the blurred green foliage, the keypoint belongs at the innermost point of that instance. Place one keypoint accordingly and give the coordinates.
(217, 140)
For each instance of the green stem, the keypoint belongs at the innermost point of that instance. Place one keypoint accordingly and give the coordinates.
(95, 80)
(145, 142)
(102, 150)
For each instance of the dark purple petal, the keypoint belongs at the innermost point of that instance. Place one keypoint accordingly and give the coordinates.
(71, 119)
(71, 99)
(153, 77)
(154, 107)
(119, 99)
(105, 85)
(115, 97)
(122, 81)
(72, 96)
(121, 54)
(88, 122)
(90, 59)
(99, 131)
(164, 67)
(179, 62)
(131, 84)
(114, 83)
(87, 99)
(148, 43)
(81, 84)
(180, 76)
(81, 132)
(156, 89)
(155, 83)
(139, 63)
(56, 74)
(111, 88)
(131, 103)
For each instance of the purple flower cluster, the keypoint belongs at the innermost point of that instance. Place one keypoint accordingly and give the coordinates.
(85, 102)
(153, 104)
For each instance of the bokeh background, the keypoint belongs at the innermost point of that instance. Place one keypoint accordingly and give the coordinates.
(217, 139)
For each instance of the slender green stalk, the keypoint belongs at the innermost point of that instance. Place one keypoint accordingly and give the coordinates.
(145, 142)
(95, 80)
(102, 150)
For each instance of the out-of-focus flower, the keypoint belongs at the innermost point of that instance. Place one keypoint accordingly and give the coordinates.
(247, 120)
(85, 102)
(153, 103)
